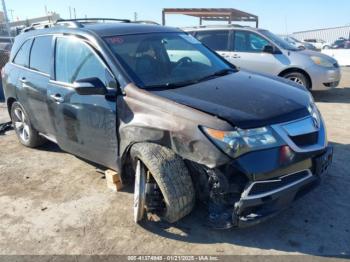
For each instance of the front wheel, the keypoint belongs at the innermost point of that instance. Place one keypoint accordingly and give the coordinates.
(163, 185)
(298, 78)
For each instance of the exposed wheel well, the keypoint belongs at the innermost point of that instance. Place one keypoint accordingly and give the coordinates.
(291, 70)
(10, 101)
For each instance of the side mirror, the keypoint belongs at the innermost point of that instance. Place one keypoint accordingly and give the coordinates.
(90, 86)
(269, 49)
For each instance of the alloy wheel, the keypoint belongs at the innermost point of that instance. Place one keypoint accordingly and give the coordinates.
(21, 124)
(139, 192)
(296, 80)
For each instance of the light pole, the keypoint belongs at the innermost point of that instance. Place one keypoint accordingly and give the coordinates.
(6, 19)
(11, 12)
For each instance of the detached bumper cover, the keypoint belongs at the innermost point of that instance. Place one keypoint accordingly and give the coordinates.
(264, 199)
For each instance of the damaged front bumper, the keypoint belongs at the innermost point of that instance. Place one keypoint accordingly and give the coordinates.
(262, 200)
(256, 207)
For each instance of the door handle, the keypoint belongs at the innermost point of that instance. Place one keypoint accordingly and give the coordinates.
(57, 98)
(24, 82)
(236, 56)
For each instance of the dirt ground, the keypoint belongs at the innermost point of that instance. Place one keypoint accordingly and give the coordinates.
(54, 203)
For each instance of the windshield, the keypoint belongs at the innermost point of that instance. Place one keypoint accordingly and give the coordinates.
(166, 59)
(279, 41)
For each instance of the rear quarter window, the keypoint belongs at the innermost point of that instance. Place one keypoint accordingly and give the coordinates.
(41, 53)
(22, 56)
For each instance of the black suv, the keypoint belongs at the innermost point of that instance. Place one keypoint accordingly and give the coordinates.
(154, 104)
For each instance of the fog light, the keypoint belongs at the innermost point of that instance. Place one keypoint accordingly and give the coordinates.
(286, 155)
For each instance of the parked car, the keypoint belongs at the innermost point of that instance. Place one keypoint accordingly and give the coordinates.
(157, 106)
(318, 43)
(341, 43)
(261, 51)
(298, 44)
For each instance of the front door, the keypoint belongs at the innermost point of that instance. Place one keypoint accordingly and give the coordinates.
(85, 125)
(248, 54)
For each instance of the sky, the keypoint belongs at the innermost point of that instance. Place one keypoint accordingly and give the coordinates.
(279, 16)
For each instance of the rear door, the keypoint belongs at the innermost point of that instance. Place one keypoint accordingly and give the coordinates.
(35, 58)
(248, 53)
(85, 125)
(36, 82)
(18, 69)
(217, 40)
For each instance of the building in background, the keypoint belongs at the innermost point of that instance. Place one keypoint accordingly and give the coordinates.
(16, 26)
(327, 34)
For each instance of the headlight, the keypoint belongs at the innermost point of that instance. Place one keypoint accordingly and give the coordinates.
(315, 114)
(321, 61)
(241, 141)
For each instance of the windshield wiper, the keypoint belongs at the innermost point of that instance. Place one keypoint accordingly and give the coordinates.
(192, 82)
(172, 85)
(222, 72)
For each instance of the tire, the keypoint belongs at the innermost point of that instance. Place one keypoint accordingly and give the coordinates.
(172, 177)
(298, 78)
(326, 47)
(25, 132)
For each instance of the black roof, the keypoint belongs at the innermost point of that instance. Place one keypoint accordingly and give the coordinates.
(91, 29)
(102, 29)
(109, 29)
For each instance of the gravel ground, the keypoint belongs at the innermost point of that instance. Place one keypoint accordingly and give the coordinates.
(53, 203)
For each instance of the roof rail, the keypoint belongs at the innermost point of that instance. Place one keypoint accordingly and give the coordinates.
(78, 22)
(75, 23)
(37, 26)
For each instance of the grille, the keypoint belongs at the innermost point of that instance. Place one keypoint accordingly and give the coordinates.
(305, 139)
(266, 186)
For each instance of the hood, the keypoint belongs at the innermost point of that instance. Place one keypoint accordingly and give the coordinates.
(243, 99)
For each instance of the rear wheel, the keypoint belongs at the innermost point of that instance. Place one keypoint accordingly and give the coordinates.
(163, 185)
(26, 134)
(298, 78)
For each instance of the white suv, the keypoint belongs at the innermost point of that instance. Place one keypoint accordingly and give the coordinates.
(261, 51)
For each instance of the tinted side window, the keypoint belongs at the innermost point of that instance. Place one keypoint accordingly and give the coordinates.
(216, 40)
(249, 42)
(74, 60)
(40, 56)
(22, 56)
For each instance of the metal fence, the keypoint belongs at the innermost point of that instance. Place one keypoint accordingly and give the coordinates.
(327, 34)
